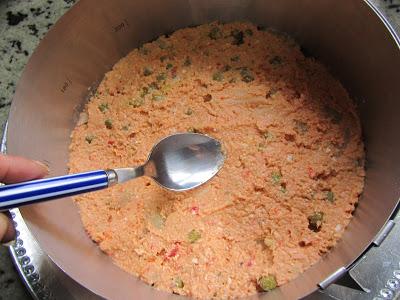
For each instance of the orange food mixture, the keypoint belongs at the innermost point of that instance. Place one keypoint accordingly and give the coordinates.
(294, 164)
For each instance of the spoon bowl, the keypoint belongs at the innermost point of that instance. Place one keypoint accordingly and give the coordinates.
(184, 161)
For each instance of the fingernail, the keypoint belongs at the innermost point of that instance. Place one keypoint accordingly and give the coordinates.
(43, 166)
(8, 244)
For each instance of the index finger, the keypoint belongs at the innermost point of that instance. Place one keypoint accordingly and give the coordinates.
(15, 169)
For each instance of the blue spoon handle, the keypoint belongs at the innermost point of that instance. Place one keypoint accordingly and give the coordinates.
(15, 195)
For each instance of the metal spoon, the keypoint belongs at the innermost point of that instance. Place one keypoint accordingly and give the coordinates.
(178, 162)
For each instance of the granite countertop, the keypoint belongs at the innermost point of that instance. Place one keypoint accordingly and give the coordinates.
(22, 25)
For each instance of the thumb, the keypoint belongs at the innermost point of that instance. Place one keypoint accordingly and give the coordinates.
(7, 231)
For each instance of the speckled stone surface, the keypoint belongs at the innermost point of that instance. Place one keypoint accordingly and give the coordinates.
(22, 24)
(391, 10)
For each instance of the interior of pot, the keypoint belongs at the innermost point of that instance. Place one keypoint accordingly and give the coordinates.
(347, 36)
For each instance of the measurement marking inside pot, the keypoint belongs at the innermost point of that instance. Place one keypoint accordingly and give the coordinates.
(121, 26)
(66, 84)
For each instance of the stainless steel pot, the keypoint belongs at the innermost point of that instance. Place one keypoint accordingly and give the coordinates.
(348, 36)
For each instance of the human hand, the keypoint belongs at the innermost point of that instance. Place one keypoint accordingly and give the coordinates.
(15, 169)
